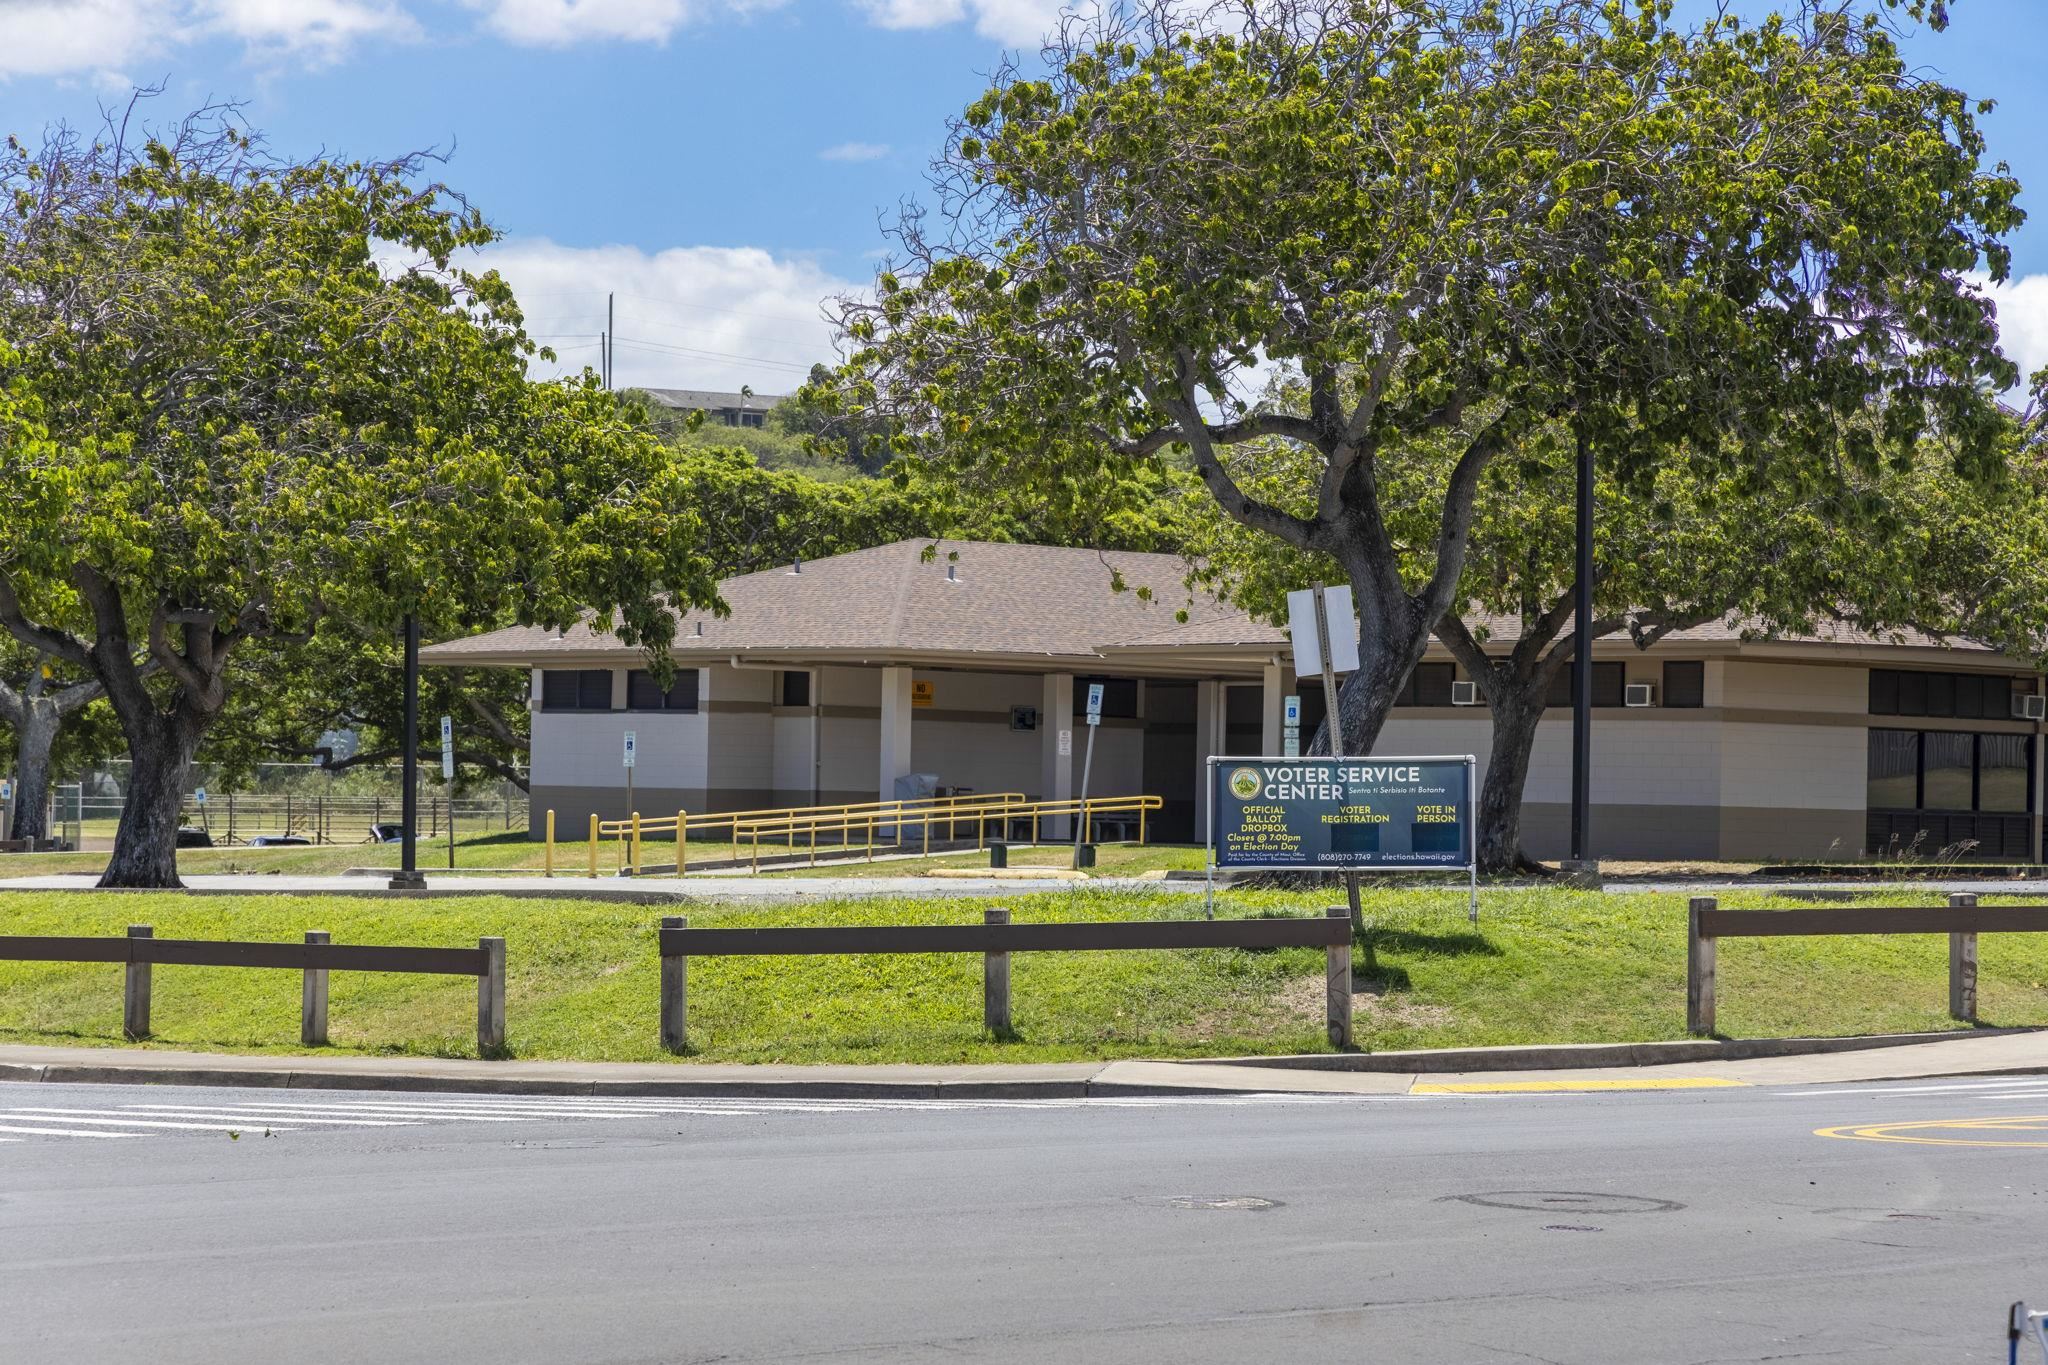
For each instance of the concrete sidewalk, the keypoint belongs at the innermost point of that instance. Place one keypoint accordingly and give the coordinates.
(632, 891)
(1988, 1055)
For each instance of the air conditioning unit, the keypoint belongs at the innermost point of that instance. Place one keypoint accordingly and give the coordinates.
(1639, 694)
(1464, 694)
(2029, 706)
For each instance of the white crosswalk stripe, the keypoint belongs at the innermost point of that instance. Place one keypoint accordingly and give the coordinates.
(301, 1111)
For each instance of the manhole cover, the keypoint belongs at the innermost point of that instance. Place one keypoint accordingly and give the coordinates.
(1567, 1201)
(1244, 1203)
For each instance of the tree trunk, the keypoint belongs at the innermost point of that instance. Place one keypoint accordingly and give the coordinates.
(1388, 650)
(35, 736)
(1515, 718)
(146, 843)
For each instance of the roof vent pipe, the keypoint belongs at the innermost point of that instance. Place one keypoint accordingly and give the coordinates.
(699, 631)
(796, 566)
(951, 576)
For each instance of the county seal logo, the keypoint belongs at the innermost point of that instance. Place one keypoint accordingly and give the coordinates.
(1245, 783)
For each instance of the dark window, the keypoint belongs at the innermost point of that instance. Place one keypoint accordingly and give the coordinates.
(1894, 782)
(1119, 697)
(576, 689)
(1608, 682)
(1912, 694)
(643, 691)
(1429, 685)
(1950, 771)
(2005, 769)
(796, 687)
(1945, 771)
(1967, 696)
(1997, 698)
(1685, 682)
(1941, 694)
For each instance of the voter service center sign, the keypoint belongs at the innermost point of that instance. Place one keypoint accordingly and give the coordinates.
(1342, 812)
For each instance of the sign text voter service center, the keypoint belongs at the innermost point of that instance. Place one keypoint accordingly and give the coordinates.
(1342, 812)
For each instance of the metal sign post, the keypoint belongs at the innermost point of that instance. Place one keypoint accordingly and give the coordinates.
(448, 776)
(632, 752)
(199, 799)
(1334, 723)
(1087, 762)
(1290, 727)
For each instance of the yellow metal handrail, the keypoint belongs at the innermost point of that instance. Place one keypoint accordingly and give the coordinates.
(1005, 809)
(634, 828)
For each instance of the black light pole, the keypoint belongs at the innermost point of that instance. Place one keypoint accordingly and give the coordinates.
(409, 877)
(1582, 666)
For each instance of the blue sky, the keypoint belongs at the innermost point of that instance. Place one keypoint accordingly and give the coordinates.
(719, 164)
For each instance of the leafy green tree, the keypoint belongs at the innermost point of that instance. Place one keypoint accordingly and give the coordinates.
(1487, 223)
(274, 400)
(48, 710)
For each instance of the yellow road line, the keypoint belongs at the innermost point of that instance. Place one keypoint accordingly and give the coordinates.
(1905, 1132)
(1568, 1087)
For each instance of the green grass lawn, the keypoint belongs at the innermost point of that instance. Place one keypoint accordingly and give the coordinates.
(500, 851)
(1543, 966)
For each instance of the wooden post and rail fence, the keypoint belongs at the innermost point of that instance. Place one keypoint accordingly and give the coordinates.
(316, 957)
(996, 938)
(1962, 919)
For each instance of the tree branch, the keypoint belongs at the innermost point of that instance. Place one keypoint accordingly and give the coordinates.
(58, 643)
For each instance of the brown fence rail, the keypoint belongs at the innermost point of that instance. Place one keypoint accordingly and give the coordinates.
(1962, 919)
(996, 938)
(316, 957)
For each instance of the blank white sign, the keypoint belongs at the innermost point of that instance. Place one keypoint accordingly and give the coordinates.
(1301, 625)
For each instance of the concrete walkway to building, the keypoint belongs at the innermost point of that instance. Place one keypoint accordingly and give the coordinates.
(641, 891)
(2001, 1054)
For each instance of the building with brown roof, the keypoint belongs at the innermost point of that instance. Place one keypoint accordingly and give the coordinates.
(839, 680)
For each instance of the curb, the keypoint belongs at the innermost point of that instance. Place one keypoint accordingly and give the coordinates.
(1568, 1056)
(284, 1079)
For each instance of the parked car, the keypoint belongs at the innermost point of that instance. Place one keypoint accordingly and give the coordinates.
(192, 836)
(279, 841)
(387, 832)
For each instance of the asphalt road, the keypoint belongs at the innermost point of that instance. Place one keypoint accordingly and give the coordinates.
(1677, 1226)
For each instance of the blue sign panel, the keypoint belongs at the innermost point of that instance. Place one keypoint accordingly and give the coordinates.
(1342, 812)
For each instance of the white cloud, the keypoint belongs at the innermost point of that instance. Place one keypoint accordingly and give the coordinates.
(561, 23)
(1017, 23)
(855, 151)
(312, 30)
(697, 317)
(2023, 321)
(51, 37)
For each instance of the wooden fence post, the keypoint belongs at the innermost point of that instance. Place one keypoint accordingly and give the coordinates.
(490, 999)
(675, 992)
(995, 982)
(135, 991)
(1337, 974)
(313, 999)
(1699, 969)
(1962, 965)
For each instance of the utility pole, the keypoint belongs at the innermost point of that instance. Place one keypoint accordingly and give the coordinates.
(1582, 668)
(611, 329)
(409, 877)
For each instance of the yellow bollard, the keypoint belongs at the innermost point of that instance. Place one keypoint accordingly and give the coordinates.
(551, 844)
(1141, 823)
(593, 845)
(636, 843)
(682, 842)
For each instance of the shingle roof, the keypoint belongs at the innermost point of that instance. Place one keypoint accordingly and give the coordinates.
(1039, 601)
(711, 400)
(1019, 602)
